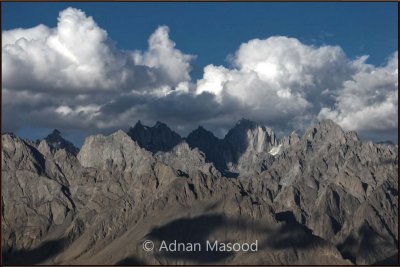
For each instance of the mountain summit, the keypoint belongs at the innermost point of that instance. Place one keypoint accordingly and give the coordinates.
(249, 135)
(243, 148)
(210, 145)
(56, 141)
(157, 138)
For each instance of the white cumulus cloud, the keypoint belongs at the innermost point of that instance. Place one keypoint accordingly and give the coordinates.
(279, 79)
(79, 55)
(162, 55)
(74, 77)
(369, 100)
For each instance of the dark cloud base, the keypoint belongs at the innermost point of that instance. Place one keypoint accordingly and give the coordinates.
(50, 82)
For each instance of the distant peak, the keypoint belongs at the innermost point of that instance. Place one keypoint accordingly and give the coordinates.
(325, 129)
(54, 135)
(11, 134)
(56, 132)
(244, 121)
(201, 131)
(244, 124)
(56, 141)
(119, 134)
(159, 124)
(156, 138)
(138, 124)
(328, 123)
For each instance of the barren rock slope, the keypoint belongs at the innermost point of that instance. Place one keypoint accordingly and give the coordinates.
(323, 198)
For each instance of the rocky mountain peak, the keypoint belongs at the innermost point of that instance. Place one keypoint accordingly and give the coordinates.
(44, 147)
(157, 138)
(19, 154)
(120, 136)
(9, 141)
(8, 135)
(243, 150)
(325, 130)
(139, 128)
(56, 141)
(186, 160)
(201, 129)
(160, 124)
(246, 123)
(118, 149)
(212, 147)
(247, 134)
(201, 135)
(292, 139)
(56, 132)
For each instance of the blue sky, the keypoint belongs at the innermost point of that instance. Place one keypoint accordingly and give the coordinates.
(213, 31)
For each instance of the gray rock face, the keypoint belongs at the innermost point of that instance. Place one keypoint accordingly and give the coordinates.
(34, 198)
(243, 151)
(118, 149)
(323, 198)
(157, 138)
(249, 144)
(290, 140)
(250, 136)
(56, 141)
(212, 147)
(324, 178)
(187, 161)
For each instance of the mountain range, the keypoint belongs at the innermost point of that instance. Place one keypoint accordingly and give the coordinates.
(325, 197)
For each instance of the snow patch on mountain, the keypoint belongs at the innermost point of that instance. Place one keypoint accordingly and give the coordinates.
(276, 150)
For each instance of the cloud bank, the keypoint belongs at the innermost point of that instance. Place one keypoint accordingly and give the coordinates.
(74, 77)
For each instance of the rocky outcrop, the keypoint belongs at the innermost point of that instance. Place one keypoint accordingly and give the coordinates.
(247, 135)
(243, 151)
(323, 198)
(55, 141)
(212, 147)
(157, 138)
(117, 149)
(187, 161)
(35, 198)
(290, 140)
(324, 178)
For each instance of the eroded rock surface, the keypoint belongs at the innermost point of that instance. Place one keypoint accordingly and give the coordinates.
(323, 198)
